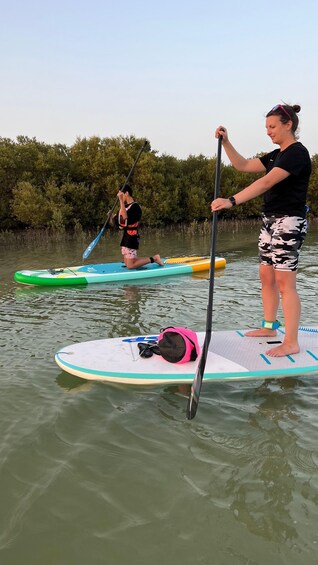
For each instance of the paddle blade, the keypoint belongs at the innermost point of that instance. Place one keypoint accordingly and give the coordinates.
(194, 396)
(91, 246)
(193, 400)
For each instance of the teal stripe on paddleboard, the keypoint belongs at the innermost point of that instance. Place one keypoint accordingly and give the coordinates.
(265, 358)
(290, 358)
(268, 361)
(144, 376)
(269, 373)
(312, 355)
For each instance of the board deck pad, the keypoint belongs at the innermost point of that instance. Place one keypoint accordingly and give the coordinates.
(231, 356)
(114, 272)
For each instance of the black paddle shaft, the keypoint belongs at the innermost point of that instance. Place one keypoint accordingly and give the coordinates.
(194, 396)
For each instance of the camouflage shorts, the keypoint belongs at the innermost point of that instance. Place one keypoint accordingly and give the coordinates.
(280, 240)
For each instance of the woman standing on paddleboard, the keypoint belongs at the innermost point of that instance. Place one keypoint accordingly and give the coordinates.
(284, 185)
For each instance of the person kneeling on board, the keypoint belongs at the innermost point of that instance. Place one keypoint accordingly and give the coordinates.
(128, 220)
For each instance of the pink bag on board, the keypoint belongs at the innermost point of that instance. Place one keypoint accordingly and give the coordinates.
(178, 345)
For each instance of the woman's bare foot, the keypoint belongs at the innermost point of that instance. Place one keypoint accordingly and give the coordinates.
(157, 260)
(283, 350)
(261, 332)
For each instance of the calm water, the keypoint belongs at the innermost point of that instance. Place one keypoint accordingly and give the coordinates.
(102, 474)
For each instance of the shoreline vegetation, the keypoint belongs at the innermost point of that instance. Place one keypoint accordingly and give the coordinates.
(33, 235)
(58, 190)
(42, 235)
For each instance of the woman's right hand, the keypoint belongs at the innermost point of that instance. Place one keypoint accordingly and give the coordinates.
(221, 131)
(221, 204)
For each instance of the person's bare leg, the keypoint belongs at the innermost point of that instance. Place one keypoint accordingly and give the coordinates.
(136, 262)
(286, 281)
(270, 298)
(157, 259)
(141, 261)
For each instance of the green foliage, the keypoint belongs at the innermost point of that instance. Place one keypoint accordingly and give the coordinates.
(27, 160)
(233, 181)
(29, 205)
(59, 187)
(312, 199)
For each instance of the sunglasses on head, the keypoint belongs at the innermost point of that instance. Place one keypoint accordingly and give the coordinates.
(280, 107)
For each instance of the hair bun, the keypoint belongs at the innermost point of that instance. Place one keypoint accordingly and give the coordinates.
(296, 108)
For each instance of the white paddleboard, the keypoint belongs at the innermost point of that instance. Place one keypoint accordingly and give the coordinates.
(231, 356)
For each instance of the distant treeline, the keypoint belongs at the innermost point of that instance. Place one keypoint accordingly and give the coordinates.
(61, 187)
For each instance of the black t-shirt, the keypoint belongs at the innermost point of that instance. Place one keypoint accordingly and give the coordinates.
(288, 197)
(133, 216)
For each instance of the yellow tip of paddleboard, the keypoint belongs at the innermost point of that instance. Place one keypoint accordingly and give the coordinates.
(197, 263)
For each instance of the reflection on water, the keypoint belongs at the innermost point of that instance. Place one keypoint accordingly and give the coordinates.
(261, 465)
(70, 384)
(262, 501)
(117, 474)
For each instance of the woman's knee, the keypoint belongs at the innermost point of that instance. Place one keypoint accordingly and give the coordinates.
(267, 275)
(286, 281)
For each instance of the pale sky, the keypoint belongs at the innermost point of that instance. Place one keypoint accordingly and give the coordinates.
(170, 71)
